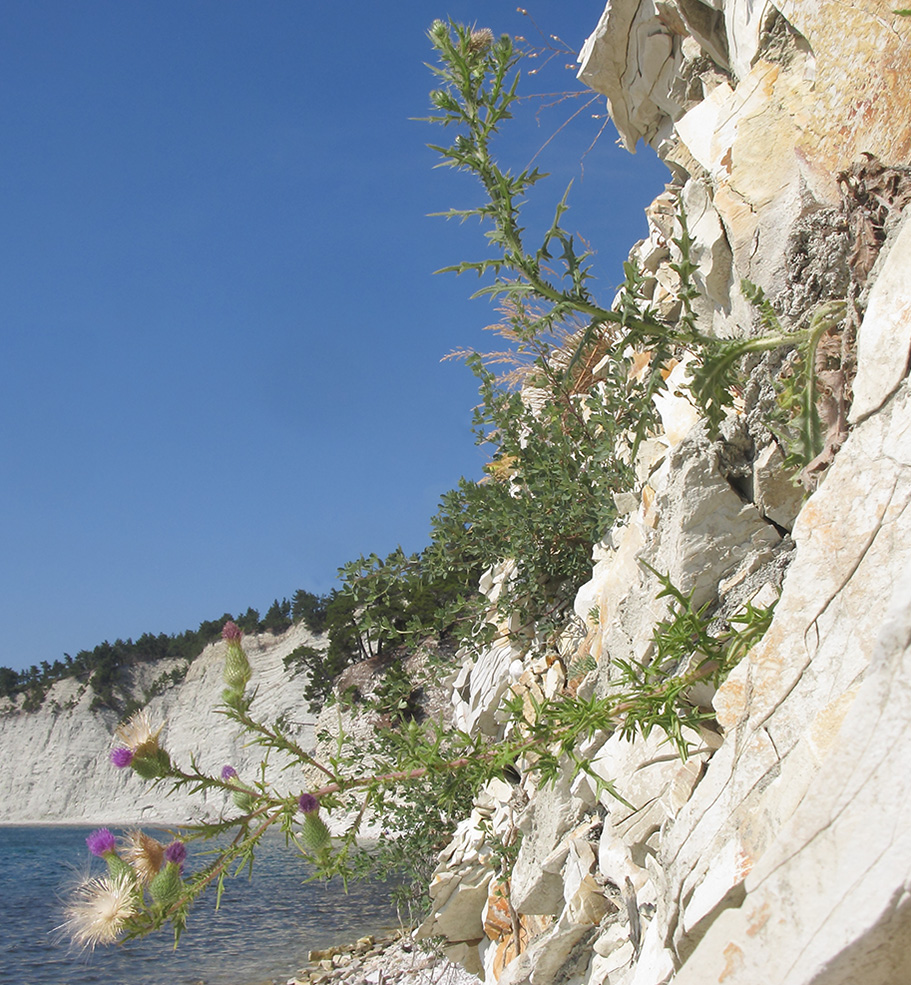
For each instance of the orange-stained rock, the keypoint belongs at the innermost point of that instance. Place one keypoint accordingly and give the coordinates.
(863, 99)
(497, 918)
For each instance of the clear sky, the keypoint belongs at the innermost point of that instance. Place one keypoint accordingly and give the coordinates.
(220, 332)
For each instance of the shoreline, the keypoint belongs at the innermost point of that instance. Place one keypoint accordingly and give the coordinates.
(391, 959)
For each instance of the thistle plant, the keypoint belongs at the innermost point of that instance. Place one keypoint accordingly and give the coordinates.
(421, 781)
(800, 427)
(562, 447)
(145, 887)
(565, 443)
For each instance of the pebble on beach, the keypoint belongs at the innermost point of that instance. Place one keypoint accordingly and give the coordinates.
(391, 960)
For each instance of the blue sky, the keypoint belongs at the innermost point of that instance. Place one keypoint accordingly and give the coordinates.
(220, 332)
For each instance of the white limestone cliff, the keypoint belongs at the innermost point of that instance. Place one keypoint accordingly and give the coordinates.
(56, 768)
(779, 850)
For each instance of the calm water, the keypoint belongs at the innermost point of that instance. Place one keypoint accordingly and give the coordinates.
(261, 933)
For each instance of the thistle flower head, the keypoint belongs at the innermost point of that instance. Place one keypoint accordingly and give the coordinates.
(99, 911)
(228, 773)
(480, 39)
(314, 836)
(101, 842)
(244, 800)
(139, 735)
(231, 631)
(121, 757)
(307, 803)
(176, 852)
(144, 854)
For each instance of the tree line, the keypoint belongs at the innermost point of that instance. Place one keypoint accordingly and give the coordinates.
(102, 666)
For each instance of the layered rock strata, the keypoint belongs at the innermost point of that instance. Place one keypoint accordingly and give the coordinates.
(56, 765)
(778, 851)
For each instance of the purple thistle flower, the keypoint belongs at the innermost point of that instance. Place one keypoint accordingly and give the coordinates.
(308, 803)
(231, 632)
(228, 773)
(176, 852)
(101, 842)
(121, 757)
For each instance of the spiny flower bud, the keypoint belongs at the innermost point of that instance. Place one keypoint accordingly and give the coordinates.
(439, 31)
(118, 868)
(103, 844)
(244, 800)
(314, 834)
(152, 765)
(237, 667)
(166, 887)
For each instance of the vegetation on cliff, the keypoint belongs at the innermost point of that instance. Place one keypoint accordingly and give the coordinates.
(564, 439)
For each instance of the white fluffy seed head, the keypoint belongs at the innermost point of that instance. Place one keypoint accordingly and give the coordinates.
(99, 910)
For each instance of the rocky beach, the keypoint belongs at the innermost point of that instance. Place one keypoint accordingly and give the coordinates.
(392, 960)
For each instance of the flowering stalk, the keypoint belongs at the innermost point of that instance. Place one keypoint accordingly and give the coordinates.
(146, 885)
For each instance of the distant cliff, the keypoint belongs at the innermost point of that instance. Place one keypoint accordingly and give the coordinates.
(55, 760)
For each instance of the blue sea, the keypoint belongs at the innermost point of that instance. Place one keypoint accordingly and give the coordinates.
(261, 933)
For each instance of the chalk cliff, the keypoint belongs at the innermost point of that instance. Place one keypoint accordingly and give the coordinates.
(780, 850)
(55, 760)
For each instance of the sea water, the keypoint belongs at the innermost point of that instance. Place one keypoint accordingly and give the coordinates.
(261, 933)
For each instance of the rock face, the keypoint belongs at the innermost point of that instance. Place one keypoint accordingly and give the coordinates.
(779, 849)
(56, 766)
